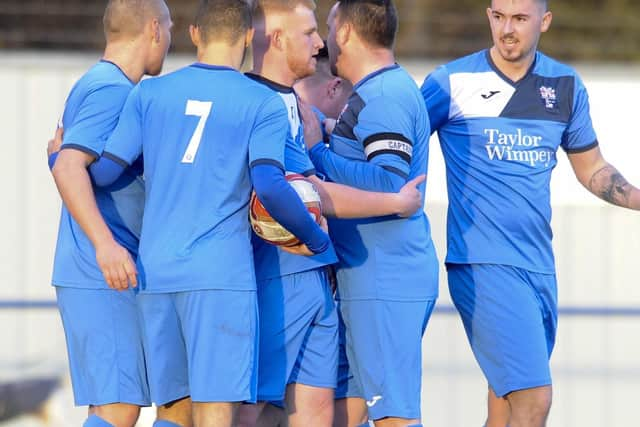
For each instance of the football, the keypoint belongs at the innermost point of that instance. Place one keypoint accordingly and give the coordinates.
(268, 228)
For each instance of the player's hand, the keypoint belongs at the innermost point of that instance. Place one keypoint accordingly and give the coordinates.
(53, 146)
(302, 249)
(410, 198)
(311, 124)
(329, 125)
(117, 266)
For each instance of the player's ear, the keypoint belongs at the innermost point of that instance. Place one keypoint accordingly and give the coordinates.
(194, 33)
(546, 21)
(333, 86)
(343, 34)
(277, 39)
(155, 30)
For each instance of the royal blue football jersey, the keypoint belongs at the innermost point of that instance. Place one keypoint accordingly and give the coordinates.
(380, 138)
(499, 139)
(270, 260)
(90, 115)
(200, 128)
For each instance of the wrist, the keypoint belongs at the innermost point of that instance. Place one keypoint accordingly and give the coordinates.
(103, 238)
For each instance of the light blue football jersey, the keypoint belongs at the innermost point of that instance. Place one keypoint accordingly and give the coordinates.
(384, 125)
(200, 128)
(270, 260)
(499, 139)
(90, 115)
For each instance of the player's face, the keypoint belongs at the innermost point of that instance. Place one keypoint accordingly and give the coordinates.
(332, 46)
(302, 41)
(161, 44)
(516, 26)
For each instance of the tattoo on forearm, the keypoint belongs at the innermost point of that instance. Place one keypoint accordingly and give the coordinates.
(610, 185)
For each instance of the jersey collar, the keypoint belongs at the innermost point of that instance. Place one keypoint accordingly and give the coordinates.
(119, 69)
(212, 67)
(270, 83)
(494, 67)
(375, 73)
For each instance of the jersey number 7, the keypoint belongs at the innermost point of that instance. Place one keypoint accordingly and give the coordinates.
(202, 110)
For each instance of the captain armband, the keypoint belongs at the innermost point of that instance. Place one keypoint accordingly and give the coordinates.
(388, 143)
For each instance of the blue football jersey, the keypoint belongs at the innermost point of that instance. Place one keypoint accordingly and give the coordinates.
(499, 139)
(90, 115)
(270, 260)
(200, 128)
(383, 132)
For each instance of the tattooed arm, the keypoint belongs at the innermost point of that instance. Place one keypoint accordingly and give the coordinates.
(604, 180)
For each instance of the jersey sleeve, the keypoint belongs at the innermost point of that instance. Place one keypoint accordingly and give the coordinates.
(269, 135)
(96, 119)
(436, 92)
(125, 143)
(579, 135)
(385, 129)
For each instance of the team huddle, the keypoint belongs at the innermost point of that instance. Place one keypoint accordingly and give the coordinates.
(168, 297)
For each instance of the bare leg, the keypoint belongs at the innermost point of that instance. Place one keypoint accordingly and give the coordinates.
(248, 414)
(499, 410)
(350, 412)
(309, 406)
(272, 416)
(530, 407)
(213, 414)
(118, 414)
(178, 412)
(395, 422)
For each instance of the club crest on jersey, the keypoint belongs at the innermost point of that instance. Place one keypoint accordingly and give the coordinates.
(548, 95)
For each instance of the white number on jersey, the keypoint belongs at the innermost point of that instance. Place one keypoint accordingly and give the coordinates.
(202, 110)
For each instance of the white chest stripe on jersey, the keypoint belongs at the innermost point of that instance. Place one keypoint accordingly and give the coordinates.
(292, 112)
(388, 145)
(478, 95)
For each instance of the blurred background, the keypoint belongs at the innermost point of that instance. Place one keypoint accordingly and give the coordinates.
(45, 45)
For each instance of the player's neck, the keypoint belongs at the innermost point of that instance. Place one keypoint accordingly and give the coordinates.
(127, 57)
(366, 61)
(222, 54)
(514, 70)
(273, 69)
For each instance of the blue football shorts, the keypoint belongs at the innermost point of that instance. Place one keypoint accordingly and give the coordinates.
(381, 354)
(200, 344)
(510, 317)
(298, 333)
(104, 344)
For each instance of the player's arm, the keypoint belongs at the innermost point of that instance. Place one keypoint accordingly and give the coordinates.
(266, 152)
(602, 179)
(348, 202)
(437, 98)
(284, 205)
(360, 174)
(74, 185)
(591, 169)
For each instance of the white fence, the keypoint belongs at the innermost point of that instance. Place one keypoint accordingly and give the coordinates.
(596, 363)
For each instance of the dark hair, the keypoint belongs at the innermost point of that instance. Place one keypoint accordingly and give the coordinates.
(323, 53)
(376, 21)
(226, 20)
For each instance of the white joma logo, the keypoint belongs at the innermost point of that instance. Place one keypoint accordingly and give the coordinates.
(373, 401)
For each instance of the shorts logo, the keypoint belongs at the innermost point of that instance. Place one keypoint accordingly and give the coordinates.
(373, 401)
(548, 95)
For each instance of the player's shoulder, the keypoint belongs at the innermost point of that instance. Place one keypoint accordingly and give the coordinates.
(549, 67)
(390, 89)
(477, 62)
(103, 75)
